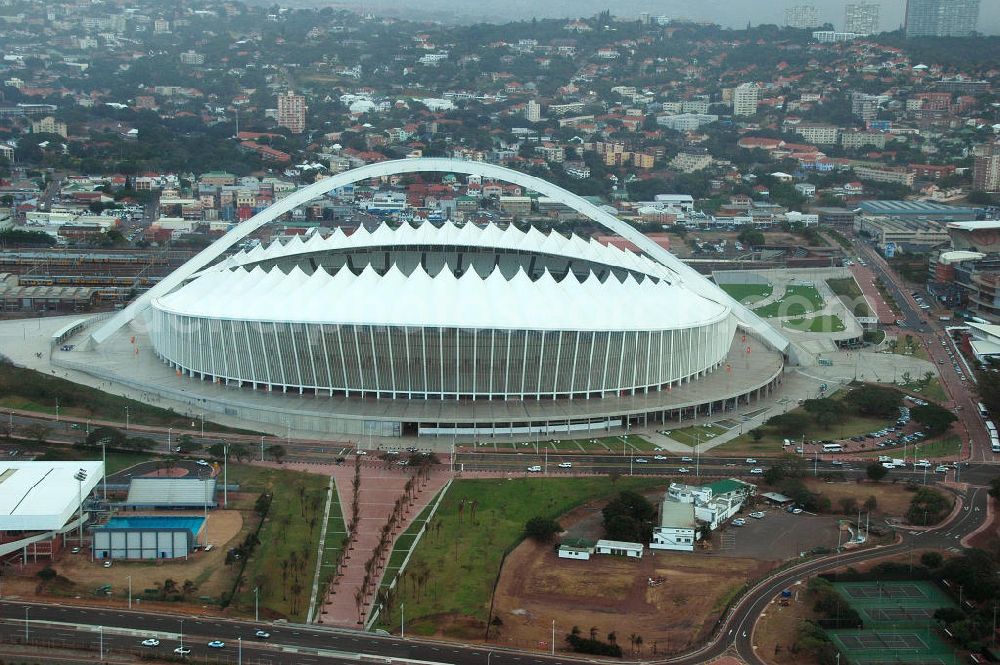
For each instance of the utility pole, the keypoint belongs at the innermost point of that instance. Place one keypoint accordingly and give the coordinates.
(225, 474)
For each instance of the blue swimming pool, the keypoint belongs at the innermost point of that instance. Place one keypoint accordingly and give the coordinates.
(154, 522)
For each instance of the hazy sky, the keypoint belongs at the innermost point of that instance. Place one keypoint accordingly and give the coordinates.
(731, 13)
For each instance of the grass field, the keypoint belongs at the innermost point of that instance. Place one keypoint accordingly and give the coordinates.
(462, 559)
(824, 324)
(798, 300)
(850, 294)
(336, 531)
(607, 444)
(405, 541)
(29, 390)
(946, 446)
(748, 293)
(689, 436)
(289, 534)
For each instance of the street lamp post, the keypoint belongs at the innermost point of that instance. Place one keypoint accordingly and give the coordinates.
(225, 475)
(182, 633)
(101, 629)
(104, 462)
(203, 424)
(256, 603)
(126, 417)
(402, 620)
(57, 409)
(261, 447)
(25, 624)
(80, 476)
(239, 651)
(130, 592)
(552, 644)
(169, 430)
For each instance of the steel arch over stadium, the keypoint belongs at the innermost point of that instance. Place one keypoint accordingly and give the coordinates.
(688, 276)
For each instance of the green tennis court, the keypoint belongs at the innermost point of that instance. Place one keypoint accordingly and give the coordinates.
(875, 647)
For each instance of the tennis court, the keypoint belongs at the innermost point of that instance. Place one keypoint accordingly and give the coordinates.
(875, 647)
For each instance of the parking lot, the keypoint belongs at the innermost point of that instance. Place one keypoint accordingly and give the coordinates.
(779, 535)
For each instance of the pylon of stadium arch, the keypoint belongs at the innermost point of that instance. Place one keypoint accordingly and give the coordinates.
(690, 278)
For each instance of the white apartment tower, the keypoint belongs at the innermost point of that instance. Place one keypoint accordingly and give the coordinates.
(533, 111)
(802, 16)
(292, 112)
(861, 18)
(745, 99)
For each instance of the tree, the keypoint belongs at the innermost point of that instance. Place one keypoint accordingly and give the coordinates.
(875, 401)
(629, 517)
(928, 506)
(935, 419)
(542, 529)
(105, 436)
(931, 559)
(995, 488)
(871, 503)
(37, 432)
(876, 472)
(217, 450)
(186, 444)
(789, 424)
(277, 452)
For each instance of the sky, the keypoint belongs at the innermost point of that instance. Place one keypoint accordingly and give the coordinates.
(730, 13)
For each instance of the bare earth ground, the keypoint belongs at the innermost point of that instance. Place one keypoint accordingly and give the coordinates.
(775, 632)
(613, 594)
(893, 499)
(206, 569)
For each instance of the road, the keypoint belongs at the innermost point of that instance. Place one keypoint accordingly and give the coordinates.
(930, 332)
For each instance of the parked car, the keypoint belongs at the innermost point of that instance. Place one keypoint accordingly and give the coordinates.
(201, 462)
(107, 564)
(943, 468)
(739, 521)
(757, 515)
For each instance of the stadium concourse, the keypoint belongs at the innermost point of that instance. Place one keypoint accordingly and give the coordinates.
(437, 330)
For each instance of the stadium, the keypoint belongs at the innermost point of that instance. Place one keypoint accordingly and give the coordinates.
(445, 329)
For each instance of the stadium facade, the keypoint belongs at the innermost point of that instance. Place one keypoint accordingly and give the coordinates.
(441, 329)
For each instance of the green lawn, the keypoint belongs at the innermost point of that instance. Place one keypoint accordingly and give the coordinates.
(290, 532)
(930, 389)
(748, 293)
(946, 446)
(405, 542)
(462, 559)
(798, 300)
(29, 390)
(850, 294)
(689, 436)
(825, 324)
(336, 531)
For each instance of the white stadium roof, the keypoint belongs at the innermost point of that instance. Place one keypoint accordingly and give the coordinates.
(451, 235)
(444, 300)
(42, 496)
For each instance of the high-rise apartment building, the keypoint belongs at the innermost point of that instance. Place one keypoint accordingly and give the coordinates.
(292, 112)
(861, 18)
(802, 16)
(986, 167)
(941, 18)
(864, 106)
(745, 99)
(533, 111)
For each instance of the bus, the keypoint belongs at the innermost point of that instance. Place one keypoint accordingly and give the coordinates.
(995, 443)
(983, 413)
(832, 447)
(991, 428)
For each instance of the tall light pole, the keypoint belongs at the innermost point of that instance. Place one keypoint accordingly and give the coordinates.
(101, 629)
(239, 651)
(104, 461)
(182, 633)
(402, 620)
(203, 424)
(261, 447)
(80, 476)
(256, 603)
(169, 430)
(57, 409)
(25, 624)
(553, 642)
(126, 417)
(225, 475)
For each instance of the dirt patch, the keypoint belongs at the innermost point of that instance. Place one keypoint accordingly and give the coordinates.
(613, 595)
(207, 570)
(775, 632)
(893, 498)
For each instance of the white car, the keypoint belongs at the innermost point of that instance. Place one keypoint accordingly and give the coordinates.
(683, 469)
(739, 521)
(201, 462)
(262, 634)
(757, 515)
(183, 651)
(687, 459)
(534, 469)
(107, 564)
(757, 470)
(943, 468)
(565, 465)
(659, 458)
(217, 644)
(151, 642)
(751, 460)
(922, 464)
(641, 460)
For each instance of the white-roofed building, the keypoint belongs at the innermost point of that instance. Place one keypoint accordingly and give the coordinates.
(985, 340)
(44, 496)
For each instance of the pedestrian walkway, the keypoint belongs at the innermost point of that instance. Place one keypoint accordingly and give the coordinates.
(381, 485)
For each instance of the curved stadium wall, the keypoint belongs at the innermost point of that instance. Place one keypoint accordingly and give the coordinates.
(436, 362)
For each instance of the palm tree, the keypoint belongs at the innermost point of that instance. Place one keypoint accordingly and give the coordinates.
(593, 632)
(638, 644)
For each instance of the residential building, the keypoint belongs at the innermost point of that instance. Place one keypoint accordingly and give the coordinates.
(885, 174)
(802, 16)
(192, 57)
(861, 17)
(49, 125)
(686, 122)
(576, 548)
(533, 111)
(818, 134)
(292, 112)
(834, 36)
(864, 106)
(986, 167)
(745, 98)
(861, 139)
(932, 171)
(941, 18)
(686, 162)
(619, 548)
(516, 205)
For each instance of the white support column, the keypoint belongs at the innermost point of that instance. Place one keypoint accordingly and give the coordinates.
(326, 358)
(312, 355)
(357, 355)
(281, 360)
(572, 376)
(295, 354)
(343, 360)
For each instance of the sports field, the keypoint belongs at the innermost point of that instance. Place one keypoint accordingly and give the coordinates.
(798, 300)
(882, 647)
(748, 293)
